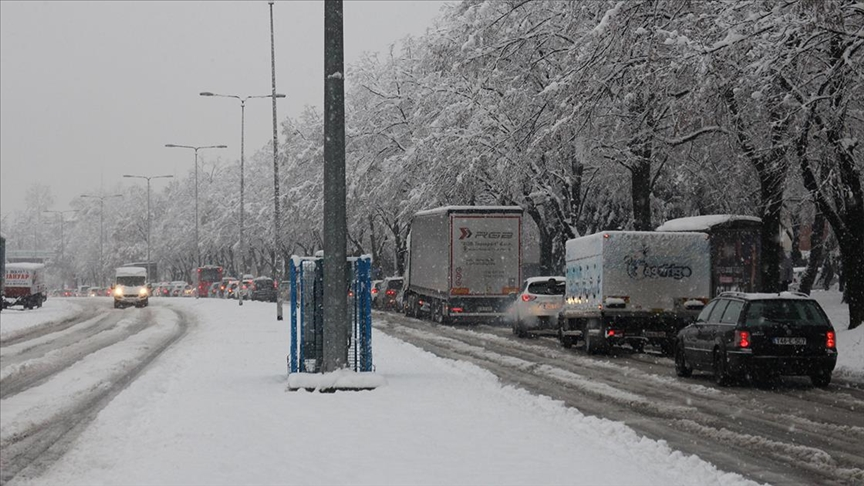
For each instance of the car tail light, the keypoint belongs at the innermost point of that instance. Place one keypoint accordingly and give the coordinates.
(390, 292)
(456, 309)
(830, 341)
(528, 297)
(374, 291)
(742, 339)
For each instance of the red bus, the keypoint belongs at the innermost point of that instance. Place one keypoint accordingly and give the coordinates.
(205, 276)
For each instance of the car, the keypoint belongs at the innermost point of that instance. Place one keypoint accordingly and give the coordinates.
(96, 292)
(389, 296)
(263, 289)
(224, 285)
(214, 289)
(374, 288)
(188, 291)
(759, 336)
(231, 289)
(176, 288)
(535, 309)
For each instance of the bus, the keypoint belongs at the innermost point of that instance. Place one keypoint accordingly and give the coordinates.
(205, 277)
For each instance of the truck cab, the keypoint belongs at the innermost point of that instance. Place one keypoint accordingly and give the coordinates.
(131, 287)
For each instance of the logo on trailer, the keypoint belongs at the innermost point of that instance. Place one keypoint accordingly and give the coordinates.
(491, 235)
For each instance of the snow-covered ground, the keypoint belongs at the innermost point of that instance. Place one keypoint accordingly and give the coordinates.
(214, 409)
(15, 319)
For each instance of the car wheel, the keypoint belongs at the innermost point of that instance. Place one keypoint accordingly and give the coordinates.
(681, 368)
(721, 374)
(116, 304)
(566, 341)
(821, 379)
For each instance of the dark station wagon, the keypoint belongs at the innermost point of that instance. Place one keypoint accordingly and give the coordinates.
(757, 336)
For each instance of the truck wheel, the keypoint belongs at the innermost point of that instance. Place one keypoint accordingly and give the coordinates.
(566, 341)
(667, 347)
(39, 300)
(116, 304)
(596, 343)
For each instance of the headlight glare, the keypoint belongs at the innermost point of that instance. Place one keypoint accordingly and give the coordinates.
(118, 291)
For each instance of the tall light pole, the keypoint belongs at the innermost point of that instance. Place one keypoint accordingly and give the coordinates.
(148, 210)
(242, 162)
(276, 220)
(101, 231)
(171, 145)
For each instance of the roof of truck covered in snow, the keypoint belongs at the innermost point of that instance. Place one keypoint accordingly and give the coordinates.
(131, 272)
(706, 223)
(471, 209)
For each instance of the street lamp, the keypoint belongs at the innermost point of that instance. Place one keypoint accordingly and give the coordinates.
(148, 211)
(101, 232)
(242, 162)
(171, 145)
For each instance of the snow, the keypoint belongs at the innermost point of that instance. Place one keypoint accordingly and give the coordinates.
(14, 321)
(703, 223)
(131, 272)
(215, 409)
(600, 28)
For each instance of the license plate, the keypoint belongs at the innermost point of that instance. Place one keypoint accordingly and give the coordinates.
(484, 309)
(794, 341)
(548, 306)
(655, 334)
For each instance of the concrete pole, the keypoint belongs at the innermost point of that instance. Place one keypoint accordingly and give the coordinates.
(242, 185)
(276, 217)
(335, 228)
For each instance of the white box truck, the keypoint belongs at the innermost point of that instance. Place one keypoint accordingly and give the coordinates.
(634, 287)
(131, 287)
(24, 285)
(463, 263)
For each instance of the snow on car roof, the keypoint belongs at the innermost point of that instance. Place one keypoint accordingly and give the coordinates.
(767, 296)
(703, 223)
(544, 279)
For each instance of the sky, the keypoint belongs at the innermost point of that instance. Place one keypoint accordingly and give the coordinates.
(90, 91)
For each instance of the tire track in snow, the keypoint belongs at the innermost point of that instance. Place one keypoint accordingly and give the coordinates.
(727, 421)
(40, 431)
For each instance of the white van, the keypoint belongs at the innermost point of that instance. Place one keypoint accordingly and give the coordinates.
(131, 287)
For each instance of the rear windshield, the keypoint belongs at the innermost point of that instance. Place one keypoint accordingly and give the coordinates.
(804, 312)
(394, 284)
(553, 287)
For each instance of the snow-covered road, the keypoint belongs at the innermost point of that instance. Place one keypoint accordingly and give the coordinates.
(91, 395)
(787, 433)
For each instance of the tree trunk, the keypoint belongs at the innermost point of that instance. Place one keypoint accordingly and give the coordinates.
(852, 256)
(640, 183)
(817, 242)
(772, 250)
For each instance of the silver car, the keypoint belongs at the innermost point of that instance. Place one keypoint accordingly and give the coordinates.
(535, 309)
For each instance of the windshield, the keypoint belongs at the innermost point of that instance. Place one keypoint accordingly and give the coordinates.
(131, 281)
(803, 312)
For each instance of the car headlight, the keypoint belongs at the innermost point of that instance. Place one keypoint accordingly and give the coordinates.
(143, 292)
(118, 291)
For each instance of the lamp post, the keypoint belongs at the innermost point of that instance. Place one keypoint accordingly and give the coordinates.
(101, 232)
(148, 209)
(171, 145)
(279, 266)
(242, 162)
